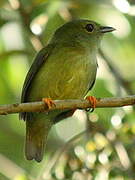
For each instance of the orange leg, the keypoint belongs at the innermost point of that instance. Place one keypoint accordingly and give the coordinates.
(49, 102)
(93, 102)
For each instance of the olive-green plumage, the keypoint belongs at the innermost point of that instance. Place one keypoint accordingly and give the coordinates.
(64, 69)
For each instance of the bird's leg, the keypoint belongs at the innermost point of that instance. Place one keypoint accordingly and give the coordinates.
(93, 102)
(49, 102)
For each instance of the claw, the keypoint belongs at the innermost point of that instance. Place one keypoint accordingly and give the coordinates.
(49, 102)
(93, 102)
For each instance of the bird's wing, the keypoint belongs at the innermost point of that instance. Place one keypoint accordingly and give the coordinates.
(92, 84)
(39, 60)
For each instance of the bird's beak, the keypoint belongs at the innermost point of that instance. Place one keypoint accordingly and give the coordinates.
(105, 29)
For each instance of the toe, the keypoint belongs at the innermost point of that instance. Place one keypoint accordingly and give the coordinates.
(92, 100)
(49, 102)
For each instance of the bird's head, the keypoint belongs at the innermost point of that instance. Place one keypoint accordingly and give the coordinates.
(81, 31)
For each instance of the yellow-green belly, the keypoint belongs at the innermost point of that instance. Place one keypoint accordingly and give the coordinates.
(67, 76)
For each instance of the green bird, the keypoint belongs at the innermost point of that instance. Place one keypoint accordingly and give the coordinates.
(64, 69)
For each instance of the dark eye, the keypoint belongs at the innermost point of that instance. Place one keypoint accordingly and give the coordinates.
(89, 27)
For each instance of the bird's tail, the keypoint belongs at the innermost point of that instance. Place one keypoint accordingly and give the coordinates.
(37, 130)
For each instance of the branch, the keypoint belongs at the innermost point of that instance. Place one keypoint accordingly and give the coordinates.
(53, 161)
(124, 83)
(25, 14)
(13, 52)
(66, 104)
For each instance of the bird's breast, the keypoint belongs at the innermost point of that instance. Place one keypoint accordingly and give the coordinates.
(76, 81)
(66, 75)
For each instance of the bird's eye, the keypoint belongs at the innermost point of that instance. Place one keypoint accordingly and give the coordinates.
(89, 27)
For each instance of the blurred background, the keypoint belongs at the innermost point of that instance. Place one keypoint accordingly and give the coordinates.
(97, 146)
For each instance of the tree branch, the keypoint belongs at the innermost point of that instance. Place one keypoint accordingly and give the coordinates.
(13, 52)
(124, 83)
(66, 104)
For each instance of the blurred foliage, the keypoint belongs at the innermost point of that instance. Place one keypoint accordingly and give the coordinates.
(97, 147)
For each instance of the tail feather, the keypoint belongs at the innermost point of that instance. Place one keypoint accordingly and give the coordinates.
(36, 137)
(34, 148)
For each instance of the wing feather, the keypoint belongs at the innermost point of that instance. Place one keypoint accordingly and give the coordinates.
(39, 60)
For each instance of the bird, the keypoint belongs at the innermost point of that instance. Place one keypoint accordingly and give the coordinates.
(64, 69)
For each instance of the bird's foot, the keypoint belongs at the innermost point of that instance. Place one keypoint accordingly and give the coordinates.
(49, 102)
(93, 102)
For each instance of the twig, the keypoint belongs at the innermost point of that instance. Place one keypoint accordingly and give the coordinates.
(53, 161)
(13, 52)
(11, 170)
(66, 104)
(116, 73)
(25, 19)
